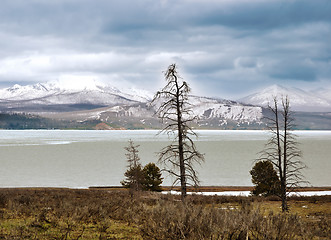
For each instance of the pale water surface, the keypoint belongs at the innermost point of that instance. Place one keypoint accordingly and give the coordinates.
(79, 159)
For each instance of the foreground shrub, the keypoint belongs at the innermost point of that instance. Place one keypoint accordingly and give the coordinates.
(103, 214)
(186, 221)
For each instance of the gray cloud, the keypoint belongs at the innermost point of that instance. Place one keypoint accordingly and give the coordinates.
(223, 48)
(265, 15)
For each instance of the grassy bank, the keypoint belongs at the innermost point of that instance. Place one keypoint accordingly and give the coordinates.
(105, 214)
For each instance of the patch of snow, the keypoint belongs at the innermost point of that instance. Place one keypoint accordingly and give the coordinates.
(310, 193)
(248, 193)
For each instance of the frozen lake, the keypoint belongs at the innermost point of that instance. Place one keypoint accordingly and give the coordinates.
(79, 159)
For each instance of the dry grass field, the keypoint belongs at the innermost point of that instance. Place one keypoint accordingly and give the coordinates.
(114, 214)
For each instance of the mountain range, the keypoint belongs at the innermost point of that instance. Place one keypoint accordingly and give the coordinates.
(54, 97)
(107, 107)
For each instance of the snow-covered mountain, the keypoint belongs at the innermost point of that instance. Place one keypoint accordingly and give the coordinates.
(53, 93)
(212, 113)
(324, 93)
(225, 110)
(300, 100)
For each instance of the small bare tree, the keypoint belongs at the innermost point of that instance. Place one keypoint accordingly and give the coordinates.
(174, 109)
(134, 174)
(282, 149)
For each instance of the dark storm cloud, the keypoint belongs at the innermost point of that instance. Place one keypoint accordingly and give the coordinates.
(265, 15)
(293, 70)
(217, 44)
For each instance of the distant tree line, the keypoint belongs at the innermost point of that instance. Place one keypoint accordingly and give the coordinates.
(21, 121)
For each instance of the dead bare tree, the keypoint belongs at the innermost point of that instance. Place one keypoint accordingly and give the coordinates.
(174, 109)
(134, 174)
(282, 149)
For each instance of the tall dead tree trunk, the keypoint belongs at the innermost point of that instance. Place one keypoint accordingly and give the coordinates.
(174, 109)
(282, 150)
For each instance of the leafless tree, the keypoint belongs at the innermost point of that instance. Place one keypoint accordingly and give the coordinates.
(174, 110)
(282, 149)
(134, 174)
(132, 154)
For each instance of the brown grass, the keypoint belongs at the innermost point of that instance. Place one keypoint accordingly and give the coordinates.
(113, 214)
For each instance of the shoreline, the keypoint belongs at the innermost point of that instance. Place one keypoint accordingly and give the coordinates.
(157, 129)
(175, 189)
(236, 191)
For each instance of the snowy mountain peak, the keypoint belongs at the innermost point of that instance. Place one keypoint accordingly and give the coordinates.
(275, 88)
(279, 91)
(324, 93)
(16, 86)
(300, 100)
(81, 84)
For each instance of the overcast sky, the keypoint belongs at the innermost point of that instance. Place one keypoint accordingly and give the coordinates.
(224, 48)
